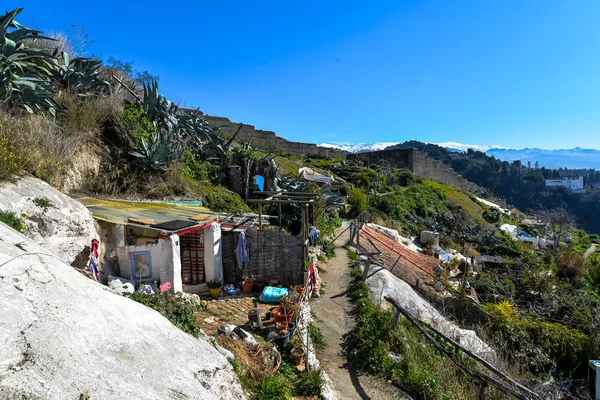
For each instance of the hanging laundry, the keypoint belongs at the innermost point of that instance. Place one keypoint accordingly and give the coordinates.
(242, 250)
(95, 259)
(313, 235)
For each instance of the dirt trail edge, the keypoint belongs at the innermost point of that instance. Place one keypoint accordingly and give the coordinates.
(333, 317)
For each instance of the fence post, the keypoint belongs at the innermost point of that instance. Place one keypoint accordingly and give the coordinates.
(367, 261)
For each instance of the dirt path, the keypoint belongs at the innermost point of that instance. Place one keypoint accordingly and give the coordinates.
(591, 250)
(333, 317)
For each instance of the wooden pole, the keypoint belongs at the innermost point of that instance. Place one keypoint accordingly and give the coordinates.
(280, 215)
(366, 270)
(260, 216)
(477, 375)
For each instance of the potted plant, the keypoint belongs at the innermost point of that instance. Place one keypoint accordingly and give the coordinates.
(281, 338)
(247, 284)
(214, 287)
(297, 354)
(286, 310)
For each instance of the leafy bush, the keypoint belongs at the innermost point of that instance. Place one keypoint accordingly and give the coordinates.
(180, 311)
(357, 199)
(272, 388)
(309, 383)
(137, 123)
(11, 219)
(492, 215)
(328, 247)
(593, 270)
(193, 168)
(543, 346)
(316, 336)
(570, 264)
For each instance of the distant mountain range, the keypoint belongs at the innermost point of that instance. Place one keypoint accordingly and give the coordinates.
(576, 158)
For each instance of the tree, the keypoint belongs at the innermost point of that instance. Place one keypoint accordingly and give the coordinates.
(558, 220)
(357, 199)
(537, 165)
(528, 164)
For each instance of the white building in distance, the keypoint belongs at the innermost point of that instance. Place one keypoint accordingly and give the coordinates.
(574, 184)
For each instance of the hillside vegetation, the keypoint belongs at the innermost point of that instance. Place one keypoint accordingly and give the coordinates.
(522, 185)
(102, 128)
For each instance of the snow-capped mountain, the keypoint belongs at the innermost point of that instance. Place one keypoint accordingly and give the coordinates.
(359, 147)
(575, 158)
(454, 146)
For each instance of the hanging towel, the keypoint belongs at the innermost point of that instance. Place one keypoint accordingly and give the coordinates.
(242, 250)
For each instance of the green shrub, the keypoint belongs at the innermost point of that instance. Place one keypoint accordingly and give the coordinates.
(309, 383)
(492, 215)
(543, 346)
(357, 199)
(220, 199)
(593, 270)
(327, 246)
(272, 388)
(193, 168)
(11, 219)
(180, 311)
(316, 336)
(137, 123)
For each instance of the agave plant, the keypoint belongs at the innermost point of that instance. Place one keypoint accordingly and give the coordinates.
(79, 75)
(202, 138)
(25, 71)
(158, 109)
(157, 153)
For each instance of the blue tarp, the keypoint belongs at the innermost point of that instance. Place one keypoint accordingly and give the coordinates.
(272, 294)
(445, 256)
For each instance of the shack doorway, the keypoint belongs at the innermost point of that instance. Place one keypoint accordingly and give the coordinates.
(192, 257)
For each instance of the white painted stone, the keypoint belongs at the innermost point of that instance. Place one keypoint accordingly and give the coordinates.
(63, 334)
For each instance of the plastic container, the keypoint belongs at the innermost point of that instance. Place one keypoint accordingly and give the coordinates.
(272, 294)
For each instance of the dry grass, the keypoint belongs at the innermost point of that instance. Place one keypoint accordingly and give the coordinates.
(255, 360)
(45, 147)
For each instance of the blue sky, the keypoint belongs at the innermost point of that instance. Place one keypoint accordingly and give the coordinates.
(508, 73)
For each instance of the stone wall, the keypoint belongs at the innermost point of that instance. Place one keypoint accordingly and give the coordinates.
(269, 141)
(416, 162)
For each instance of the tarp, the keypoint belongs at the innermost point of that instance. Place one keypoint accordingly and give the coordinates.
(311, 175)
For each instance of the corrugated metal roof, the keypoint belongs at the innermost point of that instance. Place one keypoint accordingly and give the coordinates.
(119, 211)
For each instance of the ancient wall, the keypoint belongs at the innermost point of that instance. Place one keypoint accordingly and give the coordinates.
(437, 170)
(269, 141)
(416, 162)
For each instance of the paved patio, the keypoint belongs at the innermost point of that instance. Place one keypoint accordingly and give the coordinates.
(228, 311)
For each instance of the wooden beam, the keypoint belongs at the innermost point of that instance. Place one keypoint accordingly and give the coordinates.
(260, 216)
(276, 201)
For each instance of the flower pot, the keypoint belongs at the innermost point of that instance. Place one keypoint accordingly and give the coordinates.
(297, 354)
(280, 315)
(291, 327)
(280, 339)
(215, 293)
(247, 286)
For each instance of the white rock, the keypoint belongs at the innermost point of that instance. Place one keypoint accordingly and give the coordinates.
(63, 334)
(384, 283)
(65, 228)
